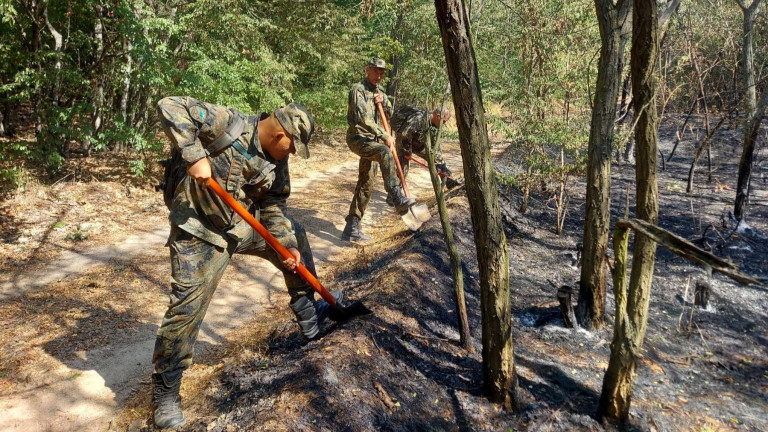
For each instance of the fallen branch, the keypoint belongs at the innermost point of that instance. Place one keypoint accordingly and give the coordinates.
(688, 250)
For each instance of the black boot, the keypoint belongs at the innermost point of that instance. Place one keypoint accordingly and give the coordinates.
(390, 201)
(324, 309)
(311, 314)
(166, 401)
(402, 203)
(352, 231)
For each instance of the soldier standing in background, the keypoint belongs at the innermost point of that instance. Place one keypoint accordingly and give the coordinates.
(367, 138)
(248, 156)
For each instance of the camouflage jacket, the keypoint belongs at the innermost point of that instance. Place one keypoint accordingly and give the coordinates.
(411, 125)
(362, 115)
(248, 173)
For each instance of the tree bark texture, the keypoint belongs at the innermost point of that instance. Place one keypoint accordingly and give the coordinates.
(747, 154)
(498, 356)
(629, 335)
(751, 128)
(612, 21)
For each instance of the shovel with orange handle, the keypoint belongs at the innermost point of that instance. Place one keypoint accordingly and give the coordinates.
(417, 214)
(340, 312)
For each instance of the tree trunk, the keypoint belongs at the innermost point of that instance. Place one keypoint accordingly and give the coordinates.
(98, 90)
(498, 356)
(58, 43)
(631, 322)
(126, 93)
(747, 157)
(612, 20)
(465, 338)
(393, 74)
(747, 154)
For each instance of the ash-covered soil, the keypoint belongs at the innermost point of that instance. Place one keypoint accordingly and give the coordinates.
(402, 369)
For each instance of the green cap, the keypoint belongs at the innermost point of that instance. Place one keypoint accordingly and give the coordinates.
(377, 63)
(297, 121)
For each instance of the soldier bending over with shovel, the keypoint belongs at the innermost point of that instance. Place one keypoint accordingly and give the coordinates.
(249, 157)
(411, 125)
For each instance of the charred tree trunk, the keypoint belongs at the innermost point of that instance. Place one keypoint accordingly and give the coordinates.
(632, 311)
(753, 116)
(500, 380)
(747, 157)
(613, 21)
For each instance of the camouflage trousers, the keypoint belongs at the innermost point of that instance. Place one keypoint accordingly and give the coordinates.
(370, 151)
(196, 269)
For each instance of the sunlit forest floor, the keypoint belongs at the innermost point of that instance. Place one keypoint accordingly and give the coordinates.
(401, 368)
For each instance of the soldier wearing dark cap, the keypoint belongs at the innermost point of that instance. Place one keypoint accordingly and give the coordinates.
(248, 156)
(367, 138)
(411, 125)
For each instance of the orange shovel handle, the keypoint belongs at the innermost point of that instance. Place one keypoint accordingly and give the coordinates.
(385, 124)
(270, 239)
(442, 174)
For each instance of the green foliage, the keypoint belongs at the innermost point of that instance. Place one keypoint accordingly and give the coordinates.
(536, 62)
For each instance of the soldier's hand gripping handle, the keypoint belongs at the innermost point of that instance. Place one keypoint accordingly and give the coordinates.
(200, 171)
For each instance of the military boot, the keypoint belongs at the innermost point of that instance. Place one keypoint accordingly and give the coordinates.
(311, 314)
(390, 201)
(402, 202)
(352, 231)
(166, 400)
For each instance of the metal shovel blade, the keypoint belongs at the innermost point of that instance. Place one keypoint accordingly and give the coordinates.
(415, 217)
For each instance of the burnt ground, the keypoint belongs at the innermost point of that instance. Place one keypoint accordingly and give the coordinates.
(401, 368)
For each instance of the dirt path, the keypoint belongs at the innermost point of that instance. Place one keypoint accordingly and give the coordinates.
(83, 390)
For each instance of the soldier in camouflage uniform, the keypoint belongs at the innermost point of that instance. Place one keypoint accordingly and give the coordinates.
(411, 125)
(367, 138)
(252, 165)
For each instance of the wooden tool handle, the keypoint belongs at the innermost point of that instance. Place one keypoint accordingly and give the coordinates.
(270, 239)
(385, 124)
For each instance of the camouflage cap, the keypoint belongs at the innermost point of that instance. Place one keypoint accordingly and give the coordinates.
(297, 121)
(377, 63)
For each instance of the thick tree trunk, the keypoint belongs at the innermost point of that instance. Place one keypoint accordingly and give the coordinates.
(482, 192)
(747, 155)
(751, 128)
(632, 311)
(612, 20)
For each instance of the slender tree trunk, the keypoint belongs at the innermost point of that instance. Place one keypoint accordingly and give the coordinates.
(58, 42)
(747, 155)
(613, 21)
(126, 93)
(98, 91)
(465, 338)
(394, 78)
(631, 323)
(498, 355)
